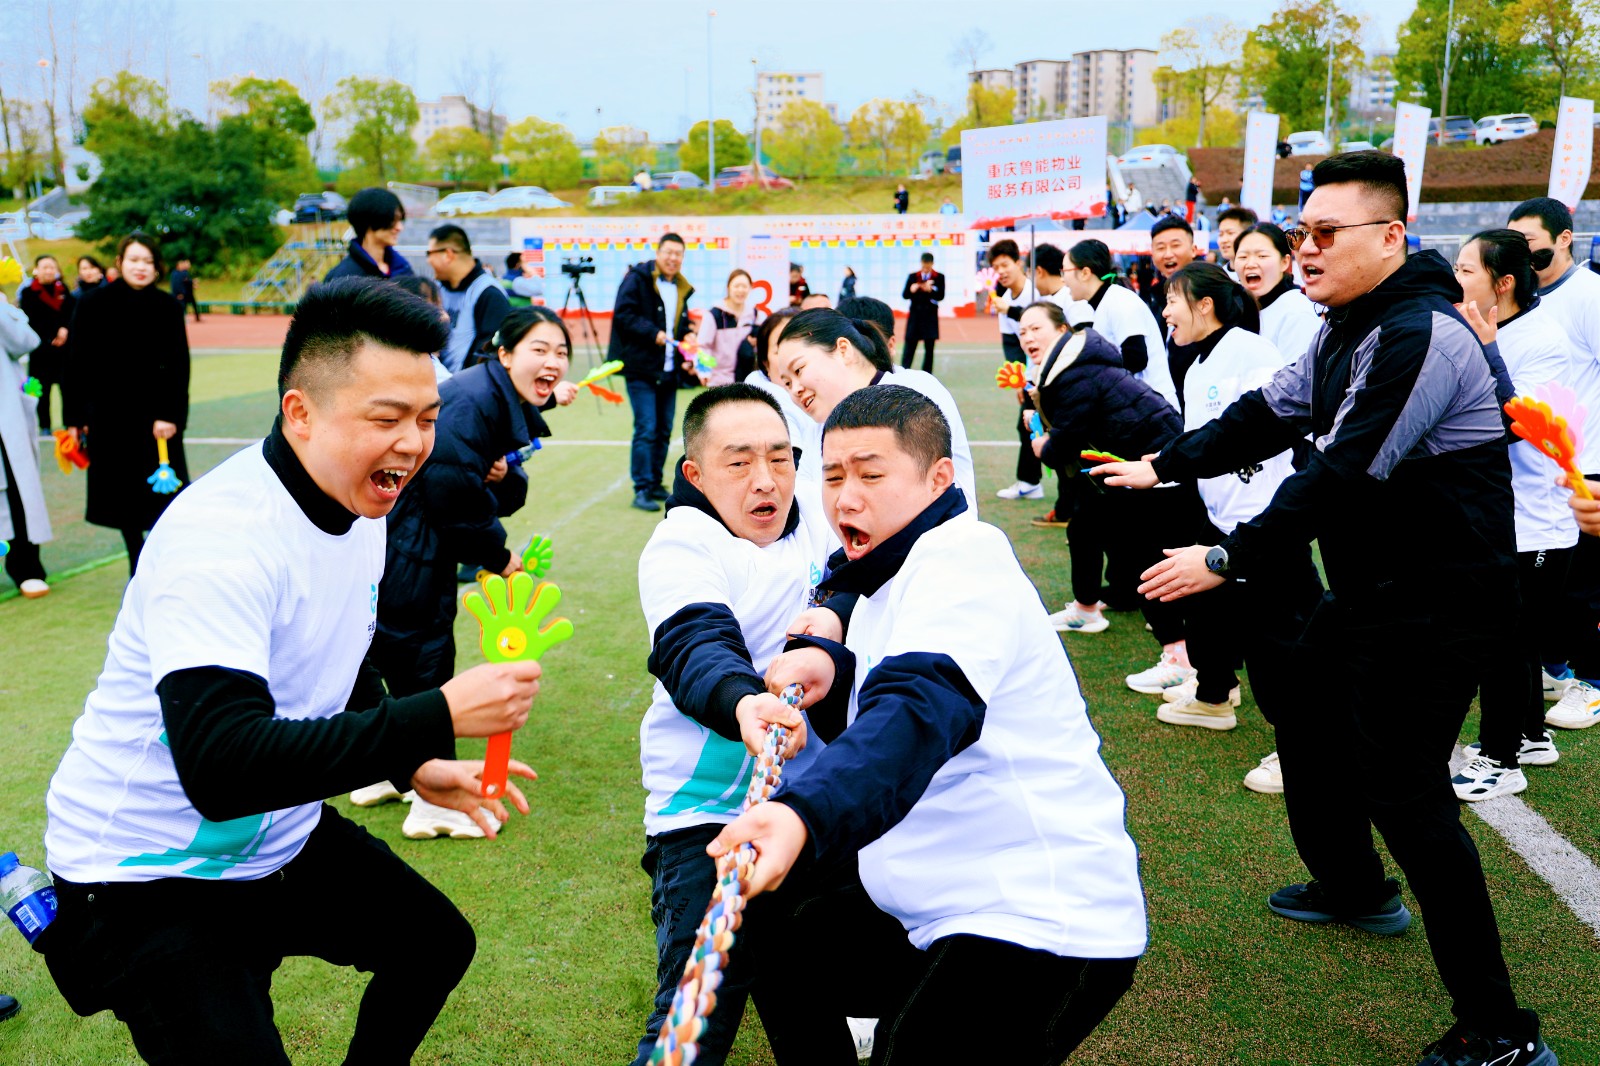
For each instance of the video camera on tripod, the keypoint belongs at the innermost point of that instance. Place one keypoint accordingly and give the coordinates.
(574, 268)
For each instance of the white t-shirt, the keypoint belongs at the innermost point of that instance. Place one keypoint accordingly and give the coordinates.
(1574, 304)
(1021, 837)
(1535, 352)
(692, 775)
(234, 575)
(1122, 314)
(1022, 300)
(1241, 361)
(1290, 323)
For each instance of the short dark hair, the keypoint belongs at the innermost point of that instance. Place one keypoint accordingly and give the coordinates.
(1166, 222)
(513, 262)
(872, 312)
(927, 257)
(41, 257)
(821, 327)
(918, 424)
(520, 320)
(670, 236)
(374, 208)
(1006, 247)
(92, 261)
(1551, 213)
(1505, 252)
(335, 318)
(143, 238)
(452, 236)
(1242, 215)
(1380, 173)
(1049, 258)
(700, 408)
(417, 285)
(1052, 310)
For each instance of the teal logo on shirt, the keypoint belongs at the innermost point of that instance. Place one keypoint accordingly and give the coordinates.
(1211, 393)
(816, 573)
(374, 599)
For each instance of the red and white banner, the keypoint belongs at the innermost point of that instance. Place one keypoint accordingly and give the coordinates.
(1034, 169)
(766, 258)
(1260, 160)
(1411, 144)
(1574, 151)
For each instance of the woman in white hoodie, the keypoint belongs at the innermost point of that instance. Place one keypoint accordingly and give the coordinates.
(1265, 266)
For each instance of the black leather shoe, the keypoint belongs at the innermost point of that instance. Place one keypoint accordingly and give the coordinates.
(8, 1006)
(645, 501)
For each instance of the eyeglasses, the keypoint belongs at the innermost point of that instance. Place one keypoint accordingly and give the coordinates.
(431, 252)
(1323, 236)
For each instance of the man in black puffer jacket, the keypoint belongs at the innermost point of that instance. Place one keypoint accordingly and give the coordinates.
(648, 318)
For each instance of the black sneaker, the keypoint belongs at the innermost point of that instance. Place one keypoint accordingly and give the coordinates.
(645, 501)
(1462, 1046)
(8, 1006)
(1311, 903)
(659, 493)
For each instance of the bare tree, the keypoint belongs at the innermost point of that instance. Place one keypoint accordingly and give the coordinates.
(1203, 53)
(49, 68)
(969, 49)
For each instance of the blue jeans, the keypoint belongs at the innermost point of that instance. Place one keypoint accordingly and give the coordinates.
(682, 876)
(654, 407)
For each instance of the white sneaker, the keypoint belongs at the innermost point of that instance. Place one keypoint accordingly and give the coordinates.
(1267, 777)
(1483, 778)
(1578, 708)
(863, 1029)
(33, 588)
(1021, 490)
(1539, 751)
(1188, 689)
(1554, 687)
(1160, 677)
(427, 820)
(374, 795)
(1190, 711)
(1076, 620)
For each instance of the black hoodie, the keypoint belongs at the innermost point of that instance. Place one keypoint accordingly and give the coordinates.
(1094, 402)
(1408, 486)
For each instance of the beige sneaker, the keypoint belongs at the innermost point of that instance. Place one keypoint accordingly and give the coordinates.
(33, 588)
(1267, 777)
(1188, 688)
(427, 820)
(1190, 711)
(374, 795)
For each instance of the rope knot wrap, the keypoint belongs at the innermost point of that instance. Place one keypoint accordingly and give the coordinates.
(696, 997)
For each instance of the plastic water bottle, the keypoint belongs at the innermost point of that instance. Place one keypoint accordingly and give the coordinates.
(27, 896)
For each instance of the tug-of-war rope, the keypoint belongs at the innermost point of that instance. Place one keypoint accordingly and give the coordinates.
(696, 996)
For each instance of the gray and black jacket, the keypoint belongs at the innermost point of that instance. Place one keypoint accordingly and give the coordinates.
(1408, 485)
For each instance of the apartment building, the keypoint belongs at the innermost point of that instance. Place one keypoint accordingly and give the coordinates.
(449, 112)
(775, 89)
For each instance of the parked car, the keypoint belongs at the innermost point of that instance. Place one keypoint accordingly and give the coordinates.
(520, 197)
(931, 163)
(1356, 146)
(744, 177)
(952, 160)
(1157, 154)
(459, 203)
(320, 207)
(45, 227)
(1492, 129)
(676, 179)
(1458, 129)
(1308, 142)
(601, 195)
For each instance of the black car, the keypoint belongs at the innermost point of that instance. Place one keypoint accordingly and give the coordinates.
(320, 207)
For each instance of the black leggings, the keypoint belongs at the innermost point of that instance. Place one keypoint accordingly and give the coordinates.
(1511, 696)
(1137, 524)
(966, 999)
(910, 349)
(22, 561)
(133, 538)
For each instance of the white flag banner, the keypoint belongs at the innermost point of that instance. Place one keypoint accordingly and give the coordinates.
(1411, 144)
(1260, 161)
(1036, 169)
(1574, 151)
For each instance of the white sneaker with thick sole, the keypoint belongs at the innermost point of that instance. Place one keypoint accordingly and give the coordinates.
(1554, 687)
(1267, 777)
(1189, 687)
(1163, 675)
(1190, 711)
(33, 588)
(374, 795)
(427, 820)
(1076, 620)
(1482, 778)
(1578, 708)
(1021, 490)
(1540, 752)
(863, 1030)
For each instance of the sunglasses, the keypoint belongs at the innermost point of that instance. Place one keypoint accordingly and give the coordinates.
(1323, 236)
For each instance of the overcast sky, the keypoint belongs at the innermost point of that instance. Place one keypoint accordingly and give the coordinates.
(640, 63)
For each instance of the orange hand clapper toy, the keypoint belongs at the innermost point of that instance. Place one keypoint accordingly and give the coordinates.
(1550, 421)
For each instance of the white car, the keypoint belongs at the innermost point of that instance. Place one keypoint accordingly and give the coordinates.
(601, 195)
(1356, 146)
(1308, 142)
(519, 197)
(1492, 129)
(459, 203)
(1148, 155)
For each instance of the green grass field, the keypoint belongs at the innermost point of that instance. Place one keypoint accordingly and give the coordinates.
(566, 952)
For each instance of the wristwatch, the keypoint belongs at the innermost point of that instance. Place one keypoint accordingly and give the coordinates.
(1217, 560)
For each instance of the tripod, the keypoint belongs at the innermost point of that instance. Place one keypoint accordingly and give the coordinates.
(576, 289)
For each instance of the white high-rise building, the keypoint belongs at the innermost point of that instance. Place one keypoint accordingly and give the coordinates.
(774, 89)
(449, 112)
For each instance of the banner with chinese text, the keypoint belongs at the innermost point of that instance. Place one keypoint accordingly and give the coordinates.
(1260, 159)
(1040, 169)
(1574, 150)
(1411, 145)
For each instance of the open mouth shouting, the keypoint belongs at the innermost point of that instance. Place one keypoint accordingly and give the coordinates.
(764, 512)
(546, 383)
(857, 541)
(1313, 274)
(1251, 278)
(387, 482)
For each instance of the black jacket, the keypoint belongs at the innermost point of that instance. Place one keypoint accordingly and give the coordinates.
(922, 320)
(1408, 484)
(638, 315)
(47, 360)
(446, 516)
(358, 264)
(1094, 402)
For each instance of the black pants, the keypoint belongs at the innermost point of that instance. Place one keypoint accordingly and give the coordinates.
(50, 373)
(412, 666)
(1138, 524)
(910, 349)
(187, 964)
(1255, 623)
(1389, 770)
(1582, 644)
(133, 540)
(1029, 470)
(1511, 696)
(967, 999)
(682, 877)
(22, 561)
